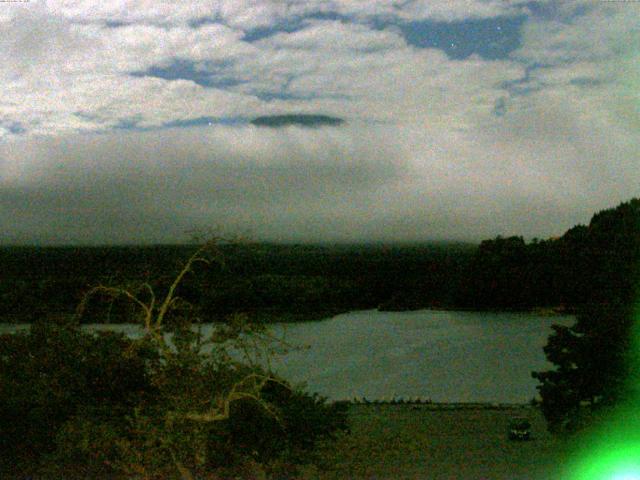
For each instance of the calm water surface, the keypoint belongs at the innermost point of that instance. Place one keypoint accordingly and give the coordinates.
(445, 356)
(441, 355)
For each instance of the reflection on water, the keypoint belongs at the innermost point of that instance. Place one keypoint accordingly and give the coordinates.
(444, 356)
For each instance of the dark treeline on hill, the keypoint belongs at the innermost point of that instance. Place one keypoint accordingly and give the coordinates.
(597, 262)
(596, 361)
(266, 281)
(291, 282)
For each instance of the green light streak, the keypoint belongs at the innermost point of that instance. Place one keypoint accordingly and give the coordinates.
(612, 450)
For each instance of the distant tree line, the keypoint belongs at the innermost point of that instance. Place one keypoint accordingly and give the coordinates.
(266, 281)
(296, 282)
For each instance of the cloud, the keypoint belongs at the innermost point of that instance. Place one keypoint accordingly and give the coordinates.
(452, 10)
(373, 182)
(110, 53)
(277, 121)
(335, 36)
(247, 14)
(376, 76)
(528, 142)
(575, 105)
(580, 31)
(132, 186)
(95, 78)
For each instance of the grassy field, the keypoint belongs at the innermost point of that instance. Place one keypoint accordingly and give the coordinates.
(437, 442)
(423, 442)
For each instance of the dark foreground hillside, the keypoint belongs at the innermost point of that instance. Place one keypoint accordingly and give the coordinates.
(437, 442)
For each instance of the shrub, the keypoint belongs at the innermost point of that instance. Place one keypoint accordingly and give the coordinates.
(49, 372)
(102, 404)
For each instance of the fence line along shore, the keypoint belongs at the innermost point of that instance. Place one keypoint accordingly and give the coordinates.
(427, 403)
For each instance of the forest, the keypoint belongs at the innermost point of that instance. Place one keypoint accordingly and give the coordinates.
(289, 282)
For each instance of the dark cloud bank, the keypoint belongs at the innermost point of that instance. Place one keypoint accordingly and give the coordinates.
(304, 120)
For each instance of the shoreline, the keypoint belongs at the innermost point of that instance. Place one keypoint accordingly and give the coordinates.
(429, 405)
(272, 318)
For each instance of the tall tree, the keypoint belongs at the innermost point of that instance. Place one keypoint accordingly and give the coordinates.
(593, 359)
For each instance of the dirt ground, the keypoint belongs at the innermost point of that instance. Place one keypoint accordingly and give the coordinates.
(424, 442)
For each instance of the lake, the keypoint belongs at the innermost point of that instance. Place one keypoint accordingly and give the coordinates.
(446, 356)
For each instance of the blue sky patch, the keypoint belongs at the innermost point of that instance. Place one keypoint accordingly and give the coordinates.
(128, 123)
(491, 39)
(526, 84)
(210, 74)
(200, 121)
(14, 127)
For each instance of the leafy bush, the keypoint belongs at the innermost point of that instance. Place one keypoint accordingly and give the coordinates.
(49, 373)
(93, 405)
(282, 440)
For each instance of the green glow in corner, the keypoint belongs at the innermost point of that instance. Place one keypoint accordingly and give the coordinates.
(631, 475)
(609, 462)
(612, 450)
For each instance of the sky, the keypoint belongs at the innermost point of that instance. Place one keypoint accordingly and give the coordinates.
(133, 121)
